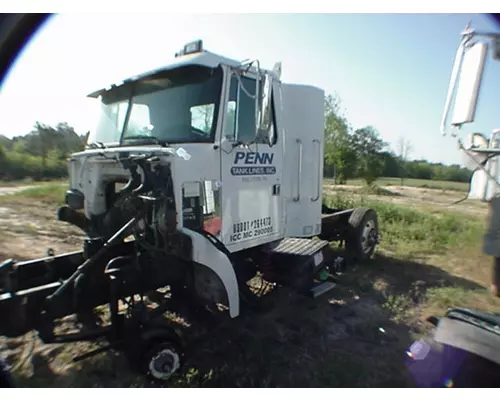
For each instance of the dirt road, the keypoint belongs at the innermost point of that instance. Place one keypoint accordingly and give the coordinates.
(14, 189)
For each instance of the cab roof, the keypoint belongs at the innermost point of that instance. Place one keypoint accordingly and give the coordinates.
(202, 58)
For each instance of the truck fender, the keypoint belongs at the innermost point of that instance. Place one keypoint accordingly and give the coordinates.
(205, 253)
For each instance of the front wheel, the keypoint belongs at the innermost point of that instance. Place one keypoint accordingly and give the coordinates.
(161, 361)
(363, 234)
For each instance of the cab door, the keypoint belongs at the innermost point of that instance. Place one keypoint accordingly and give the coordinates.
(251, 172)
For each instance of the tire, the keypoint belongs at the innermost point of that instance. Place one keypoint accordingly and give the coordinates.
(362, 234)
(161, 361)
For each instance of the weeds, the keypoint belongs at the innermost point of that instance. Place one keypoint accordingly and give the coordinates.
(444, 298)
(409, 287)
(409, 232)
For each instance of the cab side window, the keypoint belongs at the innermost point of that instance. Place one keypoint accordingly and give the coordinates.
(240, 118)
(202, 117)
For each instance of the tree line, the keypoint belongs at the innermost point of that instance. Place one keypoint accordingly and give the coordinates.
(361, 153)
(41, 154)
(349, 153)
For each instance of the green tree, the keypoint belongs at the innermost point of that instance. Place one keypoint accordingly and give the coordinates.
(67, 140)
(3, 158)
(391, 164)
(39, 142)
(5, 142)
(59, 141)
(368, 145)
(340, 158)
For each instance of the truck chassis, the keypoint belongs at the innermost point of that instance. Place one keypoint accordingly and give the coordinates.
(144, 269)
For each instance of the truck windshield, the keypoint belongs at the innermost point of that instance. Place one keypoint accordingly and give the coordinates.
(177, 106)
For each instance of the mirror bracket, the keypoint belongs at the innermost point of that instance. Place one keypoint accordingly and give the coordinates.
(496, 48)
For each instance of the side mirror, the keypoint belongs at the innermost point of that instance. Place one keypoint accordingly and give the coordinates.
(264, 103)
(471, 74)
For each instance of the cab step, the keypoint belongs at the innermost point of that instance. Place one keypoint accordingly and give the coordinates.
(322, 288)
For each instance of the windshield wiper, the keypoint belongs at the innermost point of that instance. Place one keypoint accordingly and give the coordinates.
(96, 145)
(150, 139)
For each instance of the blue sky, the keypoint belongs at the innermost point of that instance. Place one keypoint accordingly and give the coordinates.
(390, 70)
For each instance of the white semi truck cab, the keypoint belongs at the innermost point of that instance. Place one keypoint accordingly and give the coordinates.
(199, 177)
(246, 145)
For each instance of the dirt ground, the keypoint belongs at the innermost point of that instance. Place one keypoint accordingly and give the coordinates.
(14, 189)
(345, 339)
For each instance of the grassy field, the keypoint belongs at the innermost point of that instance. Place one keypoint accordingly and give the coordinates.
(420, 183)
(429, 260)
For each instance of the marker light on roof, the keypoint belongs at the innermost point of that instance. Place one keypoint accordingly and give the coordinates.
(191, 48)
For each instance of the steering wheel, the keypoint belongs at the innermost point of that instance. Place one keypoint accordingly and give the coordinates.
(178, 130)
(198, 131)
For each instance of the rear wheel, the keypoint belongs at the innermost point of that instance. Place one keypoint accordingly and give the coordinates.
(363, 234)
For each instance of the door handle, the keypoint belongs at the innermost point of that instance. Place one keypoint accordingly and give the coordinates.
(276, 189)
(297, 197)
(313, 199)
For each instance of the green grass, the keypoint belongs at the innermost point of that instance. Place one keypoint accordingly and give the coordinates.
(49, 194)
(427, 262)
(409, 231)
(455, 296)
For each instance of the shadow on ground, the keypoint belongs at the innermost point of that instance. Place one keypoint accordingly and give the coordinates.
(300, 343)
(386, 276)
(344, 339)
